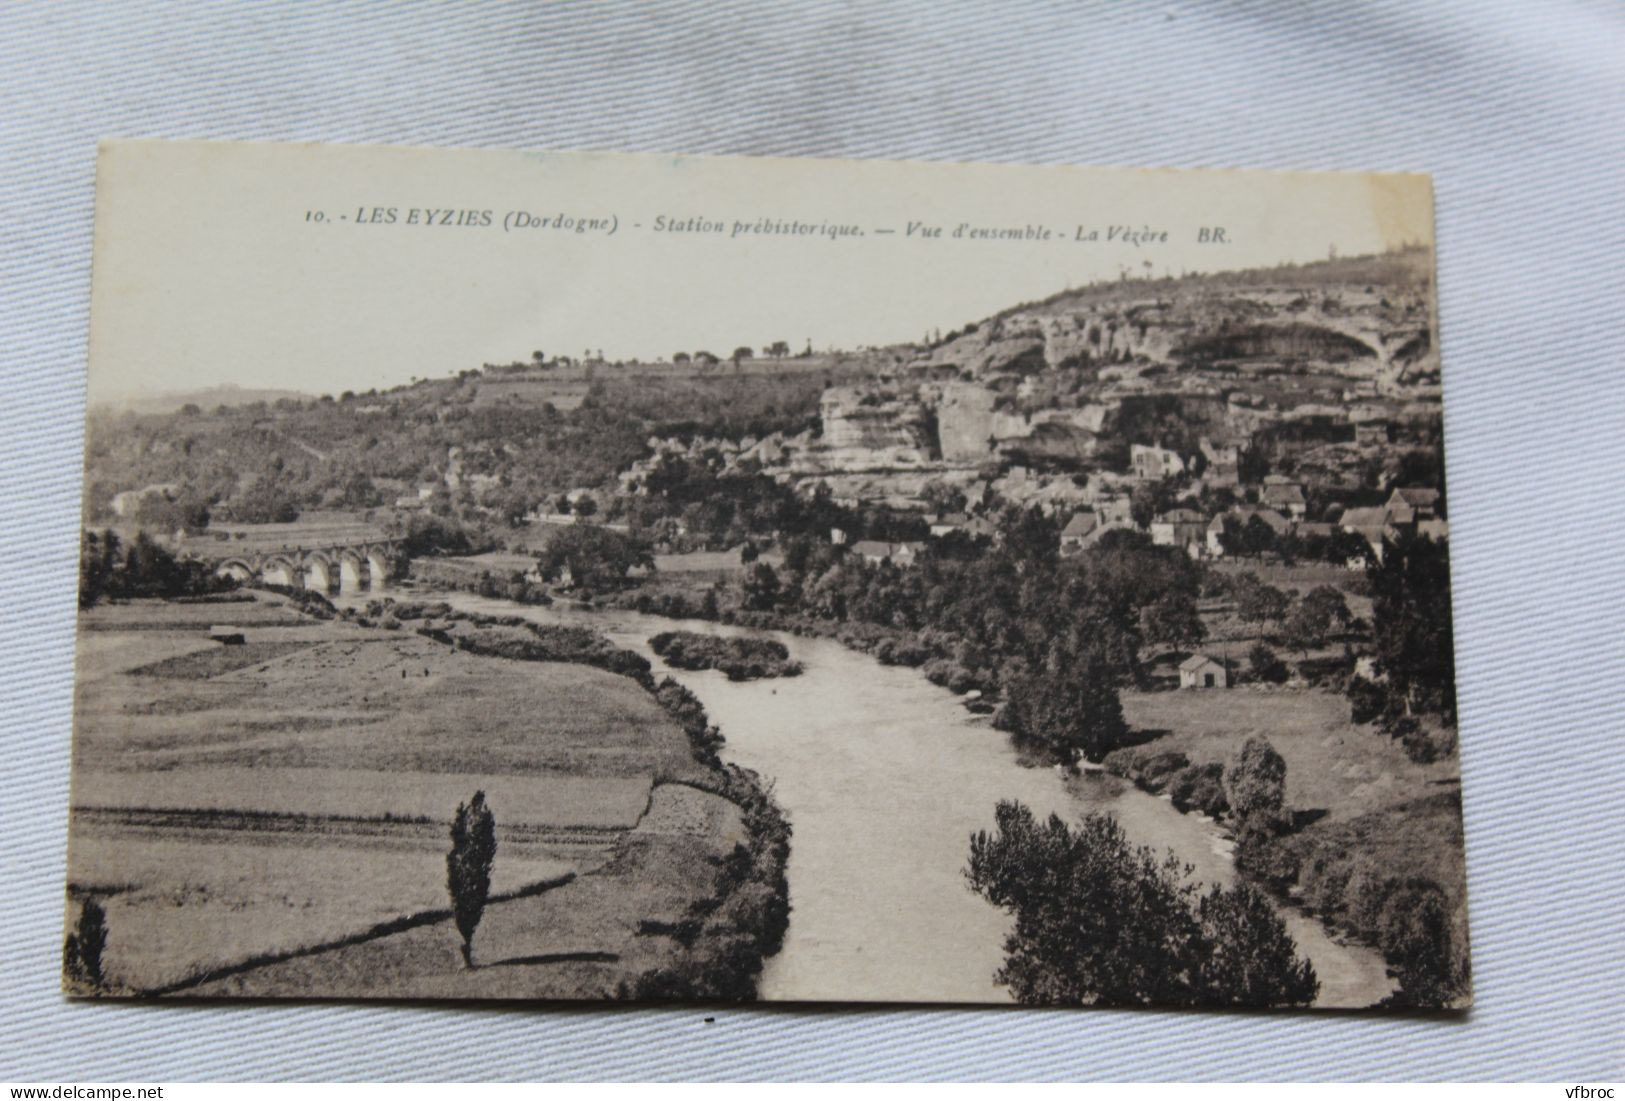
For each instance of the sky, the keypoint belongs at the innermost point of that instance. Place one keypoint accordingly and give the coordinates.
(331, 268)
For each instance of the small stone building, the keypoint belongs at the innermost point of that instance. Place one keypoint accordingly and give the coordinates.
(1203, 671)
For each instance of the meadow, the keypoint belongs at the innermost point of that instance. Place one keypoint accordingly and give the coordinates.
(270, 806)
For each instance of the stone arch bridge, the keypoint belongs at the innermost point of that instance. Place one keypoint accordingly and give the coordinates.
(363, 566)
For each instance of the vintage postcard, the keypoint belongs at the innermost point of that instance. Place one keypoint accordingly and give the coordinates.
(586, 576)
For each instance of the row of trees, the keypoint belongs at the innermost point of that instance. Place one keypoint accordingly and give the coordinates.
(1057, 637)
(112, 569)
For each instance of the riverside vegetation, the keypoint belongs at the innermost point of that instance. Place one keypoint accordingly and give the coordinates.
(738, 658)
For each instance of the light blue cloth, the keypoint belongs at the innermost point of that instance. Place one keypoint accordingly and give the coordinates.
(1518, 111)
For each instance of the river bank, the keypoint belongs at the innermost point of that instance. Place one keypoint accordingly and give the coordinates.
(886, 776)
(1373, 846)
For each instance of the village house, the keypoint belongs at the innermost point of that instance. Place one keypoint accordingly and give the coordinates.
(1223, 462)
(948, 523)
(1371, 524)
(1219, 452)
(1285, 497)
(976, 495)
(125, 504)
(1178, 527)
(1152, 464)
(1203, 671)
(875, 552)
(1116, 510)
(1079, 532)
(1409, 504)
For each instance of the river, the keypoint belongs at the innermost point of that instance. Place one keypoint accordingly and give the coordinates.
(884, 777)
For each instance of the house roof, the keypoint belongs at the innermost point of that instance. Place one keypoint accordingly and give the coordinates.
(1283, 494)
(874, 548)
(1081, 524)
(1416, 495)
(1365, 518)
(1434, 529)
(1196, 661)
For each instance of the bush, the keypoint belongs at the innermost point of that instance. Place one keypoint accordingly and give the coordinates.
(1265, 665)
(550, 642)
(1259, 854)
(739, 658)
(1415, 934)
(1255, 783)
(1367, 701)
(1200, 787)
(1151, 771)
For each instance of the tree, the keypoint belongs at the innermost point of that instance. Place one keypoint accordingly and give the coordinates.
(1101, 921)
(1257, 537)
(1173, 620)
(265, 501)
(82, 952)
(778, 349)
(1150, 499)
(1253, 960)
(940, 497)
(585, 506)
(468, 867)
(595, 556)
(1312, 618)
(1071, 706)
(1265, 665)
(139, 568)
(761, 588)
(742, 352)
(680, 357)
(158, 512)
(359, 492)
(1414, 930)
(1411, 630)
(1255, 780)
(1257, 602)
(423, 533)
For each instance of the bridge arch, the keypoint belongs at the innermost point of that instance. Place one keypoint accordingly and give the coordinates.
(352, 566)
(321, 571)
(241, 569)
(283, 569)
(380, 564)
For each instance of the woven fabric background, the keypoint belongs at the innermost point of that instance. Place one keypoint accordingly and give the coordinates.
(1518, 111)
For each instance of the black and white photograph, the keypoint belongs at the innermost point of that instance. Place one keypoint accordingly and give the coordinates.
(594, 577)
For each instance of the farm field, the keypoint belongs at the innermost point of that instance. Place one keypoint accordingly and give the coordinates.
(239, 803)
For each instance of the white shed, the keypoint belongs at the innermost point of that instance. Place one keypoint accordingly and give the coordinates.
(1203, 671)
